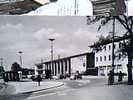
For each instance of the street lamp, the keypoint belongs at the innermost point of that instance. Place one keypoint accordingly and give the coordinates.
(1, 61)
(20, 57)
(51, 40)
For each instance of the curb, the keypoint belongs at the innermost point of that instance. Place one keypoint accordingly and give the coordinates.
(2, 86)
(42, 89)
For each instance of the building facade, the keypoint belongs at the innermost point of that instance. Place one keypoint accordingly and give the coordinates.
(69, 65)
(108, 7)
(103, 59)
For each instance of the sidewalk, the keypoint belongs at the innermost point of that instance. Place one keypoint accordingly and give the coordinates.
(29, 87)
(91, 77)
(125, 79)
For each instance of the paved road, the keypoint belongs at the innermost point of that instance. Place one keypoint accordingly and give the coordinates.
(97, 89)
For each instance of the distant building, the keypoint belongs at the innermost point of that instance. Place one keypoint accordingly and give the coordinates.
(69, 65)
(103, 59)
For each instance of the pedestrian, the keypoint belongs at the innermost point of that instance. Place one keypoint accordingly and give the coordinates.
(120, 76)
(39, 79)
(5, 78)
(111, 77)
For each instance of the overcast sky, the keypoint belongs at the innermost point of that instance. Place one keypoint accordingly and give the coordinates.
(30, 34)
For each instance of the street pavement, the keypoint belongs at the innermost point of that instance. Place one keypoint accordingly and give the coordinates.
(89, 88)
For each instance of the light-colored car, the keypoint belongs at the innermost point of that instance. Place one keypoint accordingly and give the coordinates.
(29, 76)
(55, 77)
(72, 77)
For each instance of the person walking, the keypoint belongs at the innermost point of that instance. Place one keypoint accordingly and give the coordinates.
(39, 79)
(120, 76)
(111, 77)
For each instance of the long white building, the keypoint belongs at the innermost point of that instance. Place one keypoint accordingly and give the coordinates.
(103, 59)
(69, 65)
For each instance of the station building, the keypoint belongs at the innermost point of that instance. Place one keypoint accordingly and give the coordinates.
(68, 65)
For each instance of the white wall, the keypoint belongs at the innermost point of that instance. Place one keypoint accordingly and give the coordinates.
(107, 52)
(77, 64)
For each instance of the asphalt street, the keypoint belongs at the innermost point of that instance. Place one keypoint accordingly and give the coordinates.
(87, 89)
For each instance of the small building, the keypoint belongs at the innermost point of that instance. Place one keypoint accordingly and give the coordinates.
(69, 65)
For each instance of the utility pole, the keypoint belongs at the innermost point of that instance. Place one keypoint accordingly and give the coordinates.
(76, 5)
(113, 47)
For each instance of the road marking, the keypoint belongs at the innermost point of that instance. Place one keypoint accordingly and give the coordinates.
(34, 97)
(80, 84)
(49, 94)
(61, 93)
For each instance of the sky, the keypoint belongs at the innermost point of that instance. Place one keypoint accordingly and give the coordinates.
(30, 35)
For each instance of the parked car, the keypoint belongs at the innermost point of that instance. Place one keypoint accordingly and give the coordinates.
(55, 77)
(34, 78)
(72, 77)
(29, 76)
(76, 76)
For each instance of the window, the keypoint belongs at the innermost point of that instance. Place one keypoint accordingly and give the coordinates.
(114, 46)
(109, 57)
(96, 59)
(100, 58)
(104, 48)
(109, 47)
(104, 58)
(120, 45)
(119, 56)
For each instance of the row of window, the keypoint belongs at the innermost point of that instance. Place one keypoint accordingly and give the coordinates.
(105, 58)
(109, 46)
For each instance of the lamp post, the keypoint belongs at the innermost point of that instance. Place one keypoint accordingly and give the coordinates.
(20, 58)
(1, 61)
(51, 40)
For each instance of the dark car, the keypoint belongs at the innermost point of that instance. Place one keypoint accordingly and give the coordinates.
(34, 78)
(78, 76)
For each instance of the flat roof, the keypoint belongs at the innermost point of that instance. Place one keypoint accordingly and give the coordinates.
(69, 57)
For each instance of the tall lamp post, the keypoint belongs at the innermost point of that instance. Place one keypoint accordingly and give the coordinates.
(51, 40)
(1, 61)
(20, 58)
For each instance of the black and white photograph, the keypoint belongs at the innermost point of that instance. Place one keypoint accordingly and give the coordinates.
(66, 7)
(66, 49)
